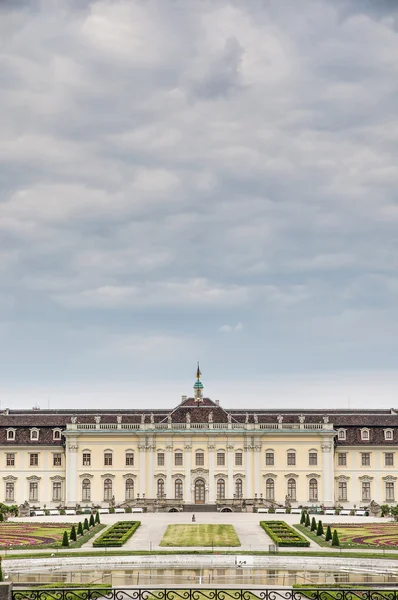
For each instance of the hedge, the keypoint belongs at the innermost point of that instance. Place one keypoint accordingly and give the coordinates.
(117, 535)
(283, 535)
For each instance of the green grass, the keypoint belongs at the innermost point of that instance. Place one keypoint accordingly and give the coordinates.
(200, 535)
(28, 536)
(375, 536)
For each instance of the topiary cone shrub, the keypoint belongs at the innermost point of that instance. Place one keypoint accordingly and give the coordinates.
(1, 572)
(80, 528)
(97, 518)
(65, 540)
(335, 538)
(313, 524)
(91, 522)
(73, 536)
(302, 520)
(319, 529)
(328, 535)
(307, 520)
(85, 524)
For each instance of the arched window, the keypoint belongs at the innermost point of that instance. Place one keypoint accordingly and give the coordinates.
(108, 489)
(313, 489)
(239, 488)
(270, 489)
(34, 434)
(160, 488)
(129, 495)
(56, 434)
(178, 489)
(220, 489)
(291, 489)
(86, 490)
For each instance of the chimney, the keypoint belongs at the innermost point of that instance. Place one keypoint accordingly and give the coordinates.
(217, 402)
(183, 398)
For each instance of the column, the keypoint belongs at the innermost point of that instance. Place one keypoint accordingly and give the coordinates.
(328, 472)
(142, 467)
(249, 469)
(257, 469)
(71, 450)
(230, 463)
(187, 464)
(169, 472)
(212, 488)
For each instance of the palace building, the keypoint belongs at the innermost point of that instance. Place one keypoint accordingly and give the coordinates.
(198, 453)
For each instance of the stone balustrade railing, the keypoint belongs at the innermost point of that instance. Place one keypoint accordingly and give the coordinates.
(200, 426)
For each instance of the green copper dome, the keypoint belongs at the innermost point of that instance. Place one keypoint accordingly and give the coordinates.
(198, 385)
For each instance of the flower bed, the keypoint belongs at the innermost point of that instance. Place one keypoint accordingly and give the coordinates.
(26, 535)
(371, 535)
(282, 534)
(117, 535)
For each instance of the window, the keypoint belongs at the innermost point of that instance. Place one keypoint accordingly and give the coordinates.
(10, 434)
(365, 434)
(269, 489)
(239, 488)
(108, 459)
(220, 459)
(86, 489)
(129, 491)
(390, 492)
(238, 459)
(129, 459)
(160, 488)
(365, 490)
(10, 491)
(342, 434)
(220, 488)
(291, 458)
(57, 459)
(34, 460)
(313, 458)
(389, 459)
(108, 489)
(178, 459)
(178, 489)
(10, 459)
(57, 491)
(269, 459)
(342, 459)
(56, 434)
(199, 459)
(388, 434)
(365, 459)
(33, 491)
(342, 490)
(86, 459)
(34, 434)
(313, 490)
(291, 489)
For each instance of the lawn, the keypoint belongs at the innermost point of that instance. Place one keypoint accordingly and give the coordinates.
(359, 535)
(200, 535)
(43, 535)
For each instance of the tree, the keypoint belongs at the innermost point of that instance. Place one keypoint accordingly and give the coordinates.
(335, 538)
(85, 524)
(97, 518)
(65, 540)
(80, 529)
(73, 536)
(1, 517)
(307, 520)
(91, 522)
(302, 520)
(319, 529)
(313, 524)
(1, 572)
(328, 535)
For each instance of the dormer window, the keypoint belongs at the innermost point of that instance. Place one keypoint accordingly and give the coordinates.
(34, 435)
(10, 435)
(388, 434)
(342, 434)
(365, 434)
(56, 434)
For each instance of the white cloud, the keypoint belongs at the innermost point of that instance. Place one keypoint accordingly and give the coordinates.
(231, 328)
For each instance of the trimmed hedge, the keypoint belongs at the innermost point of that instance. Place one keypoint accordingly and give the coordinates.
(283, 535)
(117, 535)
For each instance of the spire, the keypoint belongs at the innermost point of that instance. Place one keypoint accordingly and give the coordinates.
(198, 386)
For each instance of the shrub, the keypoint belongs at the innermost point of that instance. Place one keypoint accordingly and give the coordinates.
(65, 540)
(73, 536)
(307, 520)
(335, 538)
(302, 520)
(62, 511)
(85, 524)
(1, 573)
(313, 524)
(352, 512)
(97, 518)
(1, 517)
(80, 528)
(319, 529)
(328, 535)
(129, 509)
(271, 510)
(91, 522)
(282, 534)
(112, 510)
(385, 510)
(47, 512)
(118, 534)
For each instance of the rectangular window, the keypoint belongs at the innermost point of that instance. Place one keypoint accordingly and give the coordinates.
(365, 459)
(178, 459)
(57, 491)
(220, 459)
(108, 459)
(390, 492)
(34, 460)
(10, 459)
(389, 459)
(238, 459)
(129, 459)
(33, 491)
(342, 459)
(200, 459)
(160, 459)
(291, 458)
(57, 459)
(10, 491)
(313, 458)
(342, 490)
(86, 459)
(269, 459)
(365, 490)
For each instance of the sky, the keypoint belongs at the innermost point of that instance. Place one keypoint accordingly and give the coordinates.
(186, 180)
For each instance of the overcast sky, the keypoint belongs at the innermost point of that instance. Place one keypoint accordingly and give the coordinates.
(210, 180)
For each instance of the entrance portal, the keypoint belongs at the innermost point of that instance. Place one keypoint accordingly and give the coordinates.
(200, 491)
